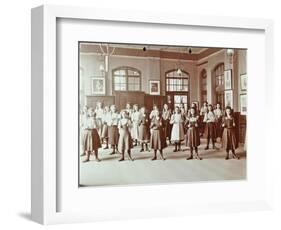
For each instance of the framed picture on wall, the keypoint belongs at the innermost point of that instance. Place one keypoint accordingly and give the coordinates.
(227, 79)
(228, 98)
(98, 86)
(243, 82)
(243, 104)
(154, 87)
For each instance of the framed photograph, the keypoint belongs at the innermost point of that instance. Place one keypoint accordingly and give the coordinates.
(228, 98)
(154, 87)
(98, 86)
(228, 79)
(243, 104)
(76, 178)
(243, 81)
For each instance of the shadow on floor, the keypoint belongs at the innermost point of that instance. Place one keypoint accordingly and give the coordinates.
(25, 215)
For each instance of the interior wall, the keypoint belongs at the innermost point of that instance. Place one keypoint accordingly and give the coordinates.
(155, 69)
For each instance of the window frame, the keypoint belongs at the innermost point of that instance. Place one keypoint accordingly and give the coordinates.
(127, 76)
(218, 75)
(175, 91)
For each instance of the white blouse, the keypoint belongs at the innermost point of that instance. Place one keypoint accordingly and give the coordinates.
(135, 117)
(99, 113)
(176, 118)
(113, 119)
(209, 117)
(218, 113)
(91, 123)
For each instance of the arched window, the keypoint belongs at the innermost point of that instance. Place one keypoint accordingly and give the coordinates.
(218, 74)
(203, 85)
(177, 87)
(126, 79)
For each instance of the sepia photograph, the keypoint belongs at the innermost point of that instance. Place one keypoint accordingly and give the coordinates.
(158, 114)
(154, 87)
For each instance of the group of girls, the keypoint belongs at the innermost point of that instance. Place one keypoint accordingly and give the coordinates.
(136, 126)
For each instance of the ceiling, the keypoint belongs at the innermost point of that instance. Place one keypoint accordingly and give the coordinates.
(178, 49)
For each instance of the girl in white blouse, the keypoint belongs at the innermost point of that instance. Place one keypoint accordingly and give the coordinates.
(210, 119)
(177, 135)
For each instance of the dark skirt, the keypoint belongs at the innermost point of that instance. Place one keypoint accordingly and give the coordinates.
(144, 133)
(202, 125)
(104, 132)
(229, 141)
(193, 137)
(219, 128)
(125, 140)
(113, 135)
(167, 128)
(91, 140)
(157, 140)
(211, 130)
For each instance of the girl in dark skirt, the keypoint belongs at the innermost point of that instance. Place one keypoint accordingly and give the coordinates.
(113, 134)
(144, 134)
(210, 120)
(125, 139)
(157, 139)
(166, 116)
(193, 135)
(104, 133)
(229, 141)
(91, 139)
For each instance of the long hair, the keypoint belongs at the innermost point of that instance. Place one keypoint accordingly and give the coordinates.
(231, 111)
(195, 112)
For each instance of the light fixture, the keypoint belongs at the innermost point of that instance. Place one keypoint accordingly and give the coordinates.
(106, 52)
(179, 71)
(101, 67)
(230, 52)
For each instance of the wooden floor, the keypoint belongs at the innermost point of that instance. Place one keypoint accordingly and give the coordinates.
(175, 169)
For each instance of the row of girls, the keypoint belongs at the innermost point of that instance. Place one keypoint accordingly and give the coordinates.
(132, 126)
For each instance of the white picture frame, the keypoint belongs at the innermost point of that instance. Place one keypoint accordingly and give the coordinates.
(154, 87)
(228, 79)
(98, 86)
(243, 104)
(243, 82)
(50, 204)
(228, 98)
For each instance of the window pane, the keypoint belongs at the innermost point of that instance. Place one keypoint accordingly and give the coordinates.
(122, 72)
(185, 88)
(120, 79)
(131, 80)
(177, 99)
(131, 87)
(123, 87)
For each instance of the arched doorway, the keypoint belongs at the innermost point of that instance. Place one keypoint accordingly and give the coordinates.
(218, 84)
(177, 88)
(203, 86)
